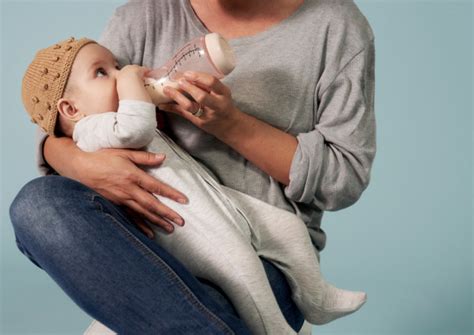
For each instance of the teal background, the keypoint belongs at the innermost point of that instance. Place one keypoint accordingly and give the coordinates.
(407, 241)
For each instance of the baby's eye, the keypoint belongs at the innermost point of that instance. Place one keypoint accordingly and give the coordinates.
(117, 67)
(100, 71)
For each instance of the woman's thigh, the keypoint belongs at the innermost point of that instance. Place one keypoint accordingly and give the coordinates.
(114, 272)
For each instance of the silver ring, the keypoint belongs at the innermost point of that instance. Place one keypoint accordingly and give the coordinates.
(199, 112)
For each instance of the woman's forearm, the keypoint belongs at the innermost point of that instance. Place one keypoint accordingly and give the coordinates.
(59, 153)
(267, 147)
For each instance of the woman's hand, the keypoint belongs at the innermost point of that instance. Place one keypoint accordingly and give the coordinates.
(113, 173)
(269, 148)
(209, 93)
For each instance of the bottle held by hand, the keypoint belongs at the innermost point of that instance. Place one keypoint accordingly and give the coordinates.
(210, 53)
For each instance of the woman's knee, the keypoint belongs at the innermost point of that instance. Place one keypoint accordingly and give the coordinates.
(43, 204)
(48, 193)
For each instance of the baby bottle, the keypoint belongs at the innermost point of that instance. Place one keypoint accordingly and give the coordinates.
(209, 53)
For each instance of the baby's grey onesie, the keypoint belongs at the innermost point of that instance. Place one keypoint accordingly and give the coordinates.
(226, 231)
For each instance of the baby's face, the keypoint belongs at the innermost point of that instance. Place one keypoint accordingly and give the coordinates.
(93, 80)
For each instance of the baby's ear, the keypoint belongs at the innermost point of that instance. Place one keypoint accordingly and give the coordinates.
(67, 109)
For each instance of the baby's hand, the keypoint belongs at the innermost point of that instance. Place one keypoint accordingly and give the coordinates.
(130, 83)
(130, 72)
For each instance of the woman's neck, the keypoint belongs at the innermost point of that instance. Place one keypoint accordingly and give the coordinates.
(237, 18)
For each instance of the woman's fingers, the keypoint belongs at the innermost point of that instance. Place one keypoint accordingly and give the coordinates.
(154, 206)
(201, 96)
(202, 92)
(149, 183)
(139, 221)
(207, 82)
(184, 102)
(141, 188)
(143, 157)
(205, 89)
(144, 227)
(114, 174)
(158, 187)
(177, 109)
(160, 222)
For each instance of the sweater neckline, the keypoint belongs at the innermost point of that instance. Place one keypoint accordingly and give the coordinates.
(235, 42)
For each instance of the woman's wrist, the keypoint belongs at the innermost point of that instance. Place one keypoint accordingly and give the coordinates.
(62, 154)
(229, 130)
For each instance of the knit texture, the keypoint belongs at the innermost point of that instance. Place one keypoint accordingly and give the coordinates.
(45, 80)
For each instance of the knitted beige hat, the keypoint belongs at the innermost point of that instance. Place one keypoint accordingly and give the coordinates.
(45, 80)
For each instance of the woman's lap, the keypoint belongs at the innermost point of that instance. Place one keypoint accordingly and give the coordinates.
(122, 278)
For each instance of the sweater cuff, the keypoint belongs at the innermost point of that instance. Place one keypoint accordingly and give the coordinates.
(305, 167)
(43, 167)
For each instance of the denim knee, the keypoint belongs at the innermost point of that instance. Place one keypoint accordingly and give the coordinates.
(39, 209)
(46, 195)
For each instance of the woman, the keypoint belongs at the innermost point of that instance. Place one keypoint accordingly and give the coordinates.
(293, 125)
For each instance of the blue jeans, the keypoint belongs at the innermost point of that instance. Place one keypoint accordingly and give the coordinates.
(116, 274)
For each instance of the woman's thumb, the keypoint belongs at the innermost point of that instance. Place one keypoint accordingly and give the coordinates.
(145, 157)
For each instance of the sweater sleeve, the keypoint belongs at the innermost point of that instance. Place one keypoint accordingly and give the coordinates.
(132, 126)
(43, 167)
(332, 163)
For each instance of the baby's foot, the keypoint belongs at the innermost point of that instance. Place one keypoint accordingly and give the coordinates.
(336, 303)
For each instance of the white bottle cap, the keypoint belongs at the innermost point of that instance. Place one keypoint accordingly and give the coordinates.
(220, 52)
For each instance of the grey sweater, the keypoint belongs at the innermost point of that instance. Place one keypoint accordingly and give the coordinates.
(311, 75)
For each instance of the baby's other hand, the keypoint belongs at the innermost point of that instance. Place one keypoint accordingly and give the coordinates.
(132, 72)
(130, 83)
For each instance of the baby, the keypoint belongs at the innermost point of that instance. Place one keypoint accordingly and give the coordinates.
(75, 88)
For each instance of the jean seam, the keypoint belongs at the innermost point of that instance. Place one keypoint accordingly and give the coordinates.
(170, 272)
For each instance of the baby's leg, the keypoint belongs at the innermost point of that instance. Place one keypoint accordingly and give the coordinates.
(215, 250)
(282, 238)
(214, 243)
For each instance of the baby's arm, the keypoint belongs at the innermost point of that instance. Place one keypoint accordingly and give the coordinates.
(132, 126)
